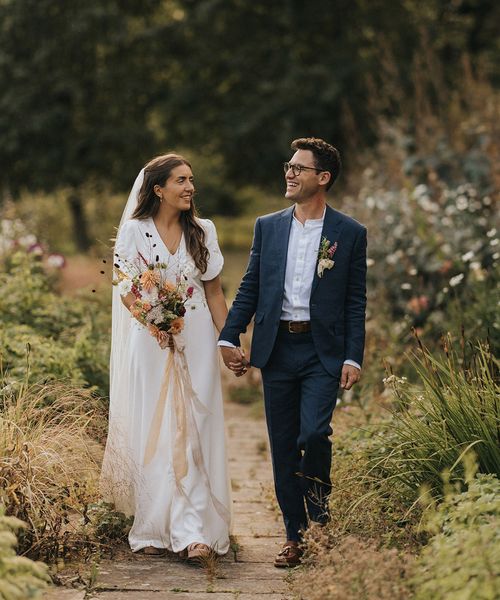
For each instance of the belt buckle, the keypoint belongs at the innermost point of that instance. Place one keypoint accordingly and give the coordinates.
(290, 327)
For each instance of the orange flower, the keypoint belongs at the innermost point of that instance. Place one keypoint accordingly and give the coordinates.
(153, 330)
(168, 286)
(176, 326)
(149, 279)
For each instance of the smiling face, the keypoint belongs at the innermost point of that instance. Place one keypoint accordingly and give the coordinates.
(178, 190)
(300, 188)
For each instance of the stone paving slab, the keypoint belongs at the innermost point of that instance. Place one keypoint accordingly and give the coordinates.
(246, 574)
(63, 594)
(185, 596)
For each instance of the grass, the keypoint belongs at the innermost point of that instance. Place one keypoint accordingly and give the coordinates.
(49, 465)
(455, 409)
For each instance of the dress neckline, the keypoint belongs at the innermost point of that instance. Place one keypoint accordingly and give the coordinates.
(163, 242)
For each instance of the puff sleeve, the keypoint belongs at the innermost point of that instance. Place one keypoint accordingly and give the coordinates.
(215, 260)
(126, 252)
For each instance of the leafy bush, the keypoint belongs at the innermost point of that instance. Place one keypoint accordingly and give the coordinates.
(20, 577)
(462, 561)
(108, 524)
(455, 410)
(66, 338)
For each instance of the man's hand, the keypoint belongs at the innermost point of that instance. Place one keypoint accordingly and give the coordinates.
(350, 376)
(234, 359)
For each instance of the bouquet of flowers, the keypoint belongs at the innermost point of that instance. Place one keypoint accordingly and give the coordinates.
(159, 302)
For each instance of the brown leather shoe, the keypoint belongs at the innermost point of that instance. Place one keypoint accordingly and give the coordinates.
(289, 556)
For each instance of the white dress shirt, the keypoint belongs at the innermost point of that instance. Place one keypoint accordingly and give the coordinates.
(301, 261)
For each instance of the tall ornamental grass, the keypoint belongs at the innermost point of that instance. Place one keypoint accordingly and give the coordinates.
(49, 464)
(452, 411)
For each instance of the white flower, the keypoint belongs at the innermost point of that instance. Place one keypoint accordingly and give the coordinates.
(323, 264)
(27, 240)
(491, 232)
(151, 296)
(56, 261)
(468, 256)
(454, 281)
(494, 242)
(462, 202)
(155, 315)
(406, 286)
(124, 287)
(370, 262)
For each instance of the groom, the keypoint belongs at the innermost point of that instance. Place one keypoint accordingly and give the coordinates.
(306, 285)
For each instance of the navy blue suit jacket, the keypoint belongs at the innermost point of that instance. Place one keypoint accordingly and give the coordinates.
(337, 302)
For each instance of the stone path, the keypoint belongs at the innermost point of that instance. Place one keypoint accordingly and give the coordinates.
(246, 573)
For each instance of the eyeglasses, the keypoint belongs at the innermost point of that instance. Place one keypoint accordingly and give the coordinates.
(297, 169)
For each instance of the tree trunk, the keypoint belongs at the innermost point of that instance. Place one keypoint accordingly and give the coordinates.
(80, 231)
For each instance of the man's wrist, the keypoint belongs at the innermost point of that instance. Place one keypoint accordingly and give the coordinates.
(352, 363)
(225, 344)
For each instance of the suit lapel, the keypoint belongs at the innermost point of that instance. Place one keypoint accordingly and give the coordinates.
(282, 234)
(332, 226)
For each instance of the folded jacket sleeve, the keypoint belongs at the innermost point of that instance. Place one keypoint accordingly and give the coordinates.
(215, 259)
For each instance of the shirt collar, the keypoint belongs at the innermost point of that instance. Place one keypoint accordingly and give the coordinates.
(310, 221)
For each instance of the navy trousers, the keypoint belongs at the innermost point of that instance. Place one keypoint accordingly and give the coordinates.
(299, 397)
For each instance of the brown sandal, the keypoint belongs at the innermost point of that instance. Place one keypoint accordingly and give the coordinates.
(196, 553)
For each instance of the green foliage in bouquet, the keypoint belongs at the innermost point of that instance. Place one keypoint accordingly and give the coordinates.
(51, 336)
(453, 409)
(20, 577)
(462, 560)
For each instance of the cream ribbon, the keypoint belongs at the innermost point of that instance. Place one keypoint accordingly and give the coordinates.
(185, 401)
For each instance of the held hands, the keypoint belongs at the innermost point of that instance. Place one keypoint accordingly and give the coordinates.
(350, 376)
(234, 359)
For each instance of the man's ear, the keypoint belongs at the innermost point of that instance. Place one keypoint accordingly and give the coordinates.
(325, 177)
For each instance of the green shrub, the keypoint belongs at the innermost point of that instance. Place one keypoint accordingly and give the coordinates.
(455, 409)
(462, 562)
(67, 338)
(20, 577)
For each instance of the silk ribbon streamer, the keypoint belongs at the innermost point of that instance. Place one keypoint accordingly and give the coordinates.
(177, 380)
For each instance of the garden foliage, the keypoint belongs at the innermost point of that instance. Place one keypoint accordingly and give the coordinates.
(20, 577)
(462, 560)
(50, 336)
(453, 409)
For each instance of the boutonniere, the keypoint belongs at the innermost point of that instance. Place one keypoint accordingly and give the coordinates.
(325, 255)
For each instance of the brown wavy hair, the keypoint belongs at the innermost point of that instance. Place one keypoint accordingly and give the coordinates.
(156, 172)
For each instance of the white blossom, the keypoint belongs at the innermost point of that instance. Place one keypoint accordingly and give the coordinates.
(125, 287)
(454, 281)
(468, 256)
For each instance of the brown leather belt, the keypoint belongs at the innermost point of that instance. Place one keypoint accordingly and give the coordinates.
(296, 326)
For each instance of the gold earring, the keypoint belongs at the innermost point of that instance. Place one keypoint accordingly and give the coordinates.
(160, 198)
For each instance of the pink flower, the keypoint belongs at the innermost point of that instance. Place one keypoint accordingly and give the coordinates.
(190, 291)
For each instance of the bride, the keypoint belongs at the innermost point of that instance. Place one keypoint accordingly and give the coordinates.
(165, 459)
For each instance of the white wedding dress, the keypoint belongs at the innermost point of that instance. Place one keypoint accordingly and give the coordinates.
(164, 515)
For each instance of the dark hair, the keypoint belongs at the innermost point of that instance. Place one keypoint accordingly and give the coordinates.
(156, 172)
(326, 157)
